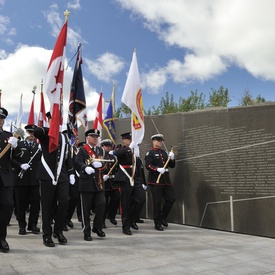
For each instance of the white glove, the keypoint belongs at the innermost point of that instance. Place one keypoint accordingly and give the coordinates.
(39, 147)
(89, 170)
(171, 155)
(111, 152)
(97, 164)
(13, 141)
(161, 170)
(133, 144)
(105, 177)
(144, 186)
(25, 166)
(72, 179)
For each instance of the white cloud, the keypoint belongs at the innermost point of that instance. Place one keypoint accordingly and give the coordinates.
(24, 69)
(213, 35)
(74, 5)
(56, 21)
(105, 67)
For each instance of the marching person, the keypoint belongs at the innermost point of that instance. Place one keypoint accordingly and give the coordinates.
(74, 188)
(112, 194)
(6, 179)
(26, 187)
(132, 194)
(91, 184)
(55, 174)
(159, 181)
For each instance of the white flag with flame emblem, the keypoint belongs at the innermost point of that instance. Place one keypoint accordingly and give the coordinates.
(132, 97)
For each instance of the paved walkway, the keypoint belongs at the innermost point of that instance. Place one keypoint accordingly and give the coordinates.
(177, 250)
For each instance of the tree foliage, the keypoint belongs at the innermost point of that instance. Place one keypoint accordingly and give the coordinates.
(219, 98)
(195, 101)
(248, 100)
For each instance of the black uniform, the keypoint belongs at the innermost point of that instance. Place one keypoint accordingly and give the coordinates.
(6, 184)
(91, 189)
(112, 194)
(53, 196)
(154, 159)
(132, 197)
(74, 192)
(27, 187)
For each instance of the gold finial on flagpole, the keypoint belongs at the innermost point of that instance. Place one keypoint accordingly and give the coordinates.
(66, 14)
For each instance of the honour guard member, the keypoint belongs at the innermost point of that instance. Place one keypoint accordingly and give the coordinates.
(7, 143)
(26, 188)
(55, 173)
(132, 194)
(112, 194)
(91, 185)
(157, 162)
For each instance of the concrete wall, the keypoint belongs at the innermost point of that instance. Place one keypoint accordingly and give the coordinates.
(225, 172)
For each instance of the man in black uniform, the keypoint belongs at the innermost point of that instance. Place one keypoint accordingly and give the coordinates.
(159, 181)
(132, 194)
(26, 188)
(55, 173)
(91, 185)
(112, 194)
(6, 180)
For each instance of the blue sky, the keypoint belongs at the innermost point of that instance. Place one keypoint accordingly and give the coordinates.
(181, 45)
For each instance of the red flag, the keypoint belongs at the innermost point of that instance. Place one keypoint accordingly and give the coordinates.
(98, 123)
(54, 85)
(42, 113)
(98, 120)
(31, 114)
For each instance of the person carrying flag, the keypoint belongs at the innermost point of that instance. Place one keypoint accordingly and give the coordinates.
(55, 172)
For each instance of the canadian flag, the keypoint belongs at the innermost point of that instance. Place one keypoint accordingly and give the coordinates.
(54, 85)
(98, 119)
(42, 113)
(31, 114)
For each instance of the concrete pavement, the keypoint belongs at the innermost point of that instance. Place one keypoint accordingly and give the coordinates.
(177, 250)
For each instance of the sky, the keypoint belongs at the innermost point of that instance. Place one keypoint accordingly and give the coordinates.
(181, 46)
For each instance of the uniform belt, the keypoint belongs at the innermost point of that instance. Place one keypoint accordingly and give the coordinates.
(127, 166)
(111, 176)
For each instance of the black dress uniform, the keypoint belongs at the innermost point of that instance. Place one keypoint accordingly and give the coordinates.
(154, 159)
(54, 195)
(112, 194)
(6, 184)
(132, 198)
(26, 188)
(91, 189)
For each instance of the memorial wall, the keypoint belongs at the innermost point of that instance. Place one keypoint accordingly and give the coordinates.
(225, 166)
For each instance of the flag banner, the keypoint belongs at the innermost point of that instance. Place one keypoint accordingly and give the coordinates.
(31, 120)
(98, 123)
(42, 121)
(108, 122)
(20, 114)
(83, 120)
(54, 86)
(77, 102)
(132, 98)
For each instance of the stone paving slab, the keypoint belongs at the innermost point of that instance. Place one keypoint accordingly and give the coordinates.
(177, 250)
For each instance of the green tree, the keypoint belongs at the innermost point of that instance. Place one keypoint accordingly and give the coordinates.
(166, 106)
(219, 98)
(248, 100)
(193, 102)
(122, 111)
